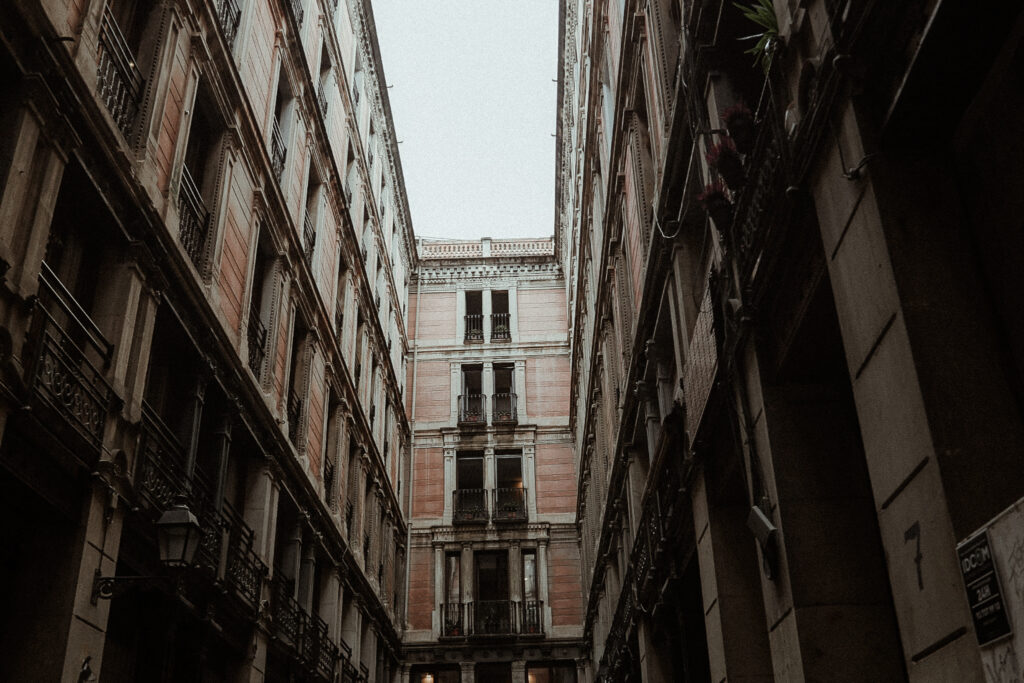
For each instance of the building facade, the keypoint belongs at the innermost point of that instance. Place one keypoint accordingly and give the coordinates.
(793, 271)
(494, 592)
(206, 252)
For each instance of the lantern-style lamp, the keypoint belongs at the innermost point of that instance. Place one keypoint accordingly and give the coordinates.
(177, 535)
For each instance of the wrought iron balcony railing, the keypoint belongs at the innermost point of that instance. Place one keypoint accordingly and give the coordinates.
(510, 505)
(531, 620)
(193, 216)
(160, 471)
(493, 617)
(501, 329)
(471, 409)
(290, 621)
(321, 99)
(277, 150)
(244, 571)
(308, 238)
(118, 77)
(297, 9)
(469, 506)
(453, 619)
(504, 408)
(68, 352)
(228, 15)
(294, 413)
(474, 328)
(257, 341)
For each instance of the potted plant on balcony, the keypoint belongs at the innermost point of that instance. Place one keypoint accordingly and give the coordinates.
(726, 160)
(500, 331)
(715, 201)
(762, 13)
(739, 121)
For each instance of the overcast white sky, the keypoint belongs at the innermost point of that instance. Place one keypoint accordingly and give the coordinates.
(474, 105)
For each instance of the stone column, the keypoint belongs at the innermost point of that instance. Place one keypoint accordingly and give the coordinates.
(449, 483)
(519, 671)
(468, 672)
(307, 575)
(437, 616)
(519, 382)
(466, 573)
(406, 676)
(655, 663)
(513, 320)
(485, 296)
(358, 499)
(530, 479)
(260, 511)
(542, 581)
(581, 671)
(330, 590)
(490, 475)
(487, 381)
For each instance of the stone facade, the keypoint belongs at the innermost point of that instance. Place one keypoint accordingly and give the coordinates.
(206, 252)
(496, 588)
(796, 356)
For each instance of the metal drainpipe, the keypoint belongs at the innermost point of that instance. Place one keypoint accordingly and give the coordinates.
(412, 450)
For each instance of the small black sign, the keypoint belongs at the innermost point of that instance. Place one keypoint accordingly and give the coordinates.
(986, 599)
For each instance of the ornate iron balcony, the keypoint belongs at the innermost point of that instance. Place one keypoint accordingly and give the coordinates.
(470, 506)
(257, 341)
(510, 505)
(471, 409)
(297, 9)
(290, 621)
(504, 408)
(118, 77)
(492, 617)
(228, 15)
(160, 471)
(277, 150)
(68, 350)
(244, 571)
(500, 327)
(474, 328)
(453, 619)
(193, 216)
(531, 620)
(321, 99)
(308, 238)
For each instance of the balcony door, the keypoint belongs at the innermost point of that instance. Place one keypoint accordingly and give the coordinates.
(492, 609)
(471, 408)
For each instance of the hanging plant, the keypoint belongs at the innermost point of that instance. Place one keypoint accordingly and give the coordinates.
(726, 160)
(715, 201)
(739, 121)
(762, 13)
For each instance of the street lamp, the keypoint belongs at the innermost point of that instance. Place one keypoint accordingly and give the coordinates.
(177, 536)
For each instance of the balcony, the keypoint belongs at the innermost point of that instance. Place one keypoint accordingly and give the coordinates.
(68, 352)
(257, 342)
(277, 150)
(453, 619)
(510, 505)
(321, 100)
(471, 410)
(501, 329)
(308, 238)
(474, 328)
(505, 618)
(243, 570)
(297, 10)
(193, 216)
(160, 470)
(504, 409)
(118, 77)
(469, 506)
(289, 619)
(228, 15)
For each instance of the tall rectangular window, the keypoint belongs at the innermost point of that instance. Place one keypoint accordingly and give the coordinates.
(501, 329)
(474, 316)
(504, 400)
(470, 503)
